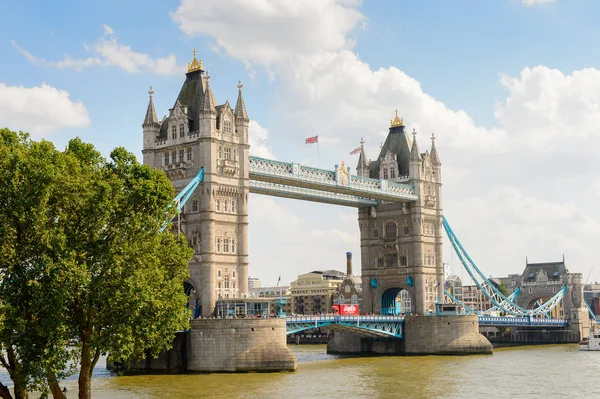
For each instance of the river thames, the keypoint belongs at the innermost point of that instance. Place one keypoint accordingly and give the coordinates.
(559, 371)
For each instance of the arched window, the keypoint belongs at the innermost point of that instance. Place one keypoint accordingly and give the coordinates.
(181, 131)
(226, 245)
(226, 282)
(390, 229)
(218, 273)
(218, 205)
(233, 275)
(174, 131)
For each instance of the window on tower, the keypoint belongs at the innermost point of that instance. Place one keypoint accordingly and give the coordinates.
(189, 154)
(195, 206)
(385, 173)
(233, 249)
(218, 245)
(227, 153)
(226, 245)
(390, 229)
(181, 131)
(233, 274)
(174, 131)
(392, 173)
(219, 153)
(403, 260)
(181, 155)
(173, 157)
(225, 206)
(218, 205)
(166, 158)
(233, 206)
(391, 259)
(227, 126)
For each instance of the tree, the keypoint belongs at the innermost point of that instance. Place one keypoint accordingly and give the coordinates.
(103, 275)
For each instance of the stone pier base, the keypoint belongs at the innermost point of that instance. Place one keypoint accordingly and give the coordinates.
(444, 335)
(239, 345)
(423, 335)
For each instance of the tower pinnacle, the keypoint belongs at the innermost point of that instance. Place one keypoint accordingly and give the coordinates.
(240, 107)
(414, 151)
(150, 112)
(435, 159)
(195, 65)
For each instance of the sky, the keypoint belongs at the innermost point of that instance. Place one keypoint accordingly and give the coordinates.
(511, 89)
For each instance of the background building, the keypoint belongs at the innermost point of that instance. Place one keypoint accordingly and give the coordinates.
(312, 292)
(279, 294)
(253, 282)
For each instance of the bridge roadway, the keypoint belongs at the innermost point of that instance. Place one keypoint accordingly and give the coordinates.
(392, 326)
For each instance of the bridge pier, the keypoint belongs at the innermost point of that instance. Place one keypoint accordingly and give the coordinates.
(422, 335)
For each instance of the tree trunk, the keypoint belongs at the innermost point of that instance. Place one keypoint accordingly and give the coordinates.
(5, 392)
(85, 375)
(54, 386)
(20, 391)
(19, 387)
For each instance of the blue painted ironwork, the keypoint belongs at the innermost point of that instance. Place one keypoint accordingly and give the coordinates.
(591, 312)
(185, 194)
(288, 175)
(378, 325)
(393, 325)
(490, 290)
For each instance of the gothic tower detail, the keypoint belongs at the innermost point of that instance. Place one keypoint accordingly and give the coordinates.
(401, 243)
(199, 133)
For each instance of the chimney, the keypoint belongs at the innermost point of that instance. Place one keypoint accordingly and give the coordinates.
(349, 264)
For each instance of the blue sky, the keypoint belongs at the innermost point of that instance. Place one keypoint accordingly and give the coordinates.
(431, 59)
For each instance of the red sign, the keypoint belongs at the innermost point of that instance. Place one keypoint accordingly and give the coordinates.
(349, 310)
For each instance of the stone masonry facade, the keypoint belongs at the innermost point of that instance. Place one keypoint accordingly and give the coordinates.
(199, 133)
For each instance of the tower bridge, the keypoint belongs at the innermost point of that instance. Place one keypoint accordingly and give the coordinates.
(398, 196)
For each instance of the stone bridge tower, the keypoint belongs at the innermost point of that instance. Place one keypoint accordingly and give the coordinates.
(199, 133)
(401, 243)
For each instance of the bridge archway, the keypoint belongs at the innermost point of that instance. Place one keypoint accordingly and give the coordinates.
(193, 302)
(396, 300)
(537, 299)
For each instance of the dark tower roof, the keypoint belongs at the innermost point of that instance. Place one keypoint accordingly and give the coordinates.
(397, 142)
(190, 95)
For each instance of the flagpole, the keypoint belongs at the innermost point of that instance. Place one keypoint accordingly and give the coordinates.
(318, 154)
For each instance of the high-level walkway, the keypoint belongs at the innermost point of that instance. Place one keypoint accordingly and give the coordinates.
(292, 180)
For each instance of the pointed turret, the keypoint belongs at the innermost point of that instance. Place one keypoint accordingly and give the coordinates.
(150, 118)
(240, 107)
(435, 159)
(151, 128)
(363, 165)
(415, 155)
(208, 105)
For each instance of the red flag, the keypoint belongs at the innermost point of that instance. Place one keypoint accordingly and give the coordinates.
(355, 151)
(311, 140)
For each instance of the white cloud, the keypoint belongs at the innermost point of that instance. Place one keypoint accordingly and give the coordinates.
(514, 189)
(529, 3)
(258, 135)
(107, 51)
(40, 110)
(268, 32)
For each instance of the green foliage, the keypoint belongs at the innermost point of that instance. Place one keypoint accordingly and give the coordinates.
(502, 288)
(84, 259)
